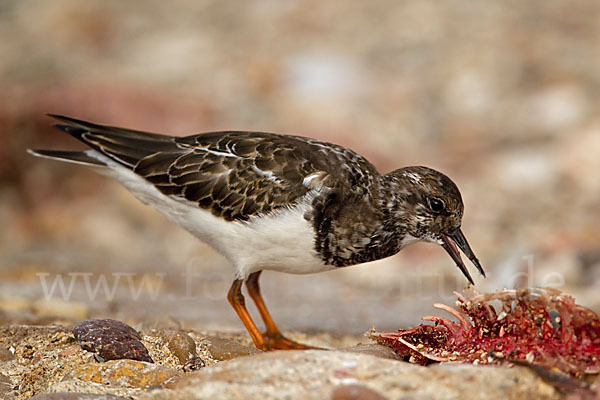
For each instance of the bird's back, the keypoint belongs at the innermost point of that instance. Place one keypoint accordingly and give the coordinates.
(234, 174)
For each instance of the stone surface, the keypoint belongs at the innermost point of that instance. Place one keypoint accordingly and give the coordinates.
(6, 388)
(123, 373)
(226, 349)
(48, 360)
(111, 340)
(315, 374)
(76, 396)
(38, 363)
(355, 392)
(374, 349)
(91, 388)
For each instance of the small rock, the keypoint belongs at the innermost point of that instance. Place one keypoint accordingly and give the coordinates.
(6, 355)
(76, 396)
(355, 392)
(60, 308)
(124, 373)
(181, 345)
(374, 349)
(225, 349)
(111, 340)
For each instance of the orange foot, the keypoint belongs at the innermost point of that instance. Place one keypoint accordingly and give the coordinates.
(276, 341)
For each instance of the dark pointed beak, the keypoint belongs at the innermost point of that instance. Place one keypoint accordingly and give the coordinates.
(450, 241)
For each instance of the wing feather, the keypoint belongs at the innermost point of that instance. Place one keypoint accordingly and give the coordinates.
(236, 175)
(242, 174)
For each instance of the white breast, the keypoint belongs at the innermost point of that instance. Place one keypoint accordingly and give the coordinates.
(282, 241)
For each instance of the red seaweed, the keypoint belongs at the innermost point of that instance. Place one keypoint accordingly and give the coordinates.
(543, 327)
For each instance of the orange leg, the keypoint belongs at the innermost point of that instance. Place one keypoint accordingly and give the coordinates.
(236, 299)
(273, 339)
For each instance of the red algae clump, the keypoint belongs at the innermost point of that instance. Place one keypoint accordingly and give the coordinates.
(542, 327)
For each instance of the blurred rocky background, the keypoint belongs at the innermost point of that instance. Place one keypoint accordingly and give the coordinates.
(503, 96)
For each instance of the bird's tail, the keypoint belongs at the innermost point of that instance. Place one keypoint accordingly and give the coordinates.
(75, 157)
(125, 146)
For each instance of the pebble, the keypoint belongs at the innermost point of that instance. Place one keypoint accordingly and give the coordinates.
(225, 349)
(111, 340)
(181, 345)
(124, 373)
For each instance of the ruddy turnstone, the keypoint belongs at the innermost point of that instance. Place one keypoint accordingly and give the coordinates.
(276, 202)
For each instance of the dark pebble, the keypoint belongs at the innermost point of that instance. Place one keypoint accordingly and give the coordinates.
(111, 340)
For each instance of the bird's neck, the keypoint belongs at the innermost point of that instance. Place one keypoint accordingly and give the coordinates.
(395, 224)
(384, 230)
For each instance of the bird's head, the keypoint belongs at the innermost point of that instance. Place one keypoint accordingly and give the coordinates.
(430, 208)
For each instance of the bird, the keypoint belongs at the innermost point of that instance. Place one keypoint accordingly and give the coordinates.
(275, 202)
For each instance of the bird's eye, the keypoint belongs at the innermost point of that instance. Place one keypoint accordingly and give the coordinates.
(436, 205)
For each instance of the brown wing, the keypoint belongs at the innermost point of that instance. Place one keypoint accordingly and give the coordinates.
(241, 174)
(235, 174)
